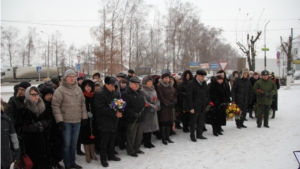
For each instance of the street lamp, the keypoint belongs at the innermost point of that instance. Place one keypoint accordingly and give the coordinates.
(265, 46)
(48, 53)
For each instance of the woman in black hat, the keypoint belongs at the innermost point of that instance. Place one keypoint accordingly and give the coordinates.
(88, 132)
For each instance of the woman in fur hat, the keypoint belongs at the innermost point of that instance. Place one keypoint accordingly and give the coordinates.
(88, 132)
(35, 129)
(151, 121)
(55, 135)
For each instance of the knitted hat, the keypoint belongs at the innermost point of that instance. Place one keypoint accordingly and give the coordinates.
(48, 84)
(146, 79)
(24, 85)
(69, 72)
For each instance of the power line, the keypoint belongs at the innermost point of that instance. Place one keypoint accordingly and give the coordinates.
(34, 23)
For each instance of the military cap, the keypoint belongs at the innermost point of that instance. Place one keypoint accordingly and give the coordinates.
(264, 72)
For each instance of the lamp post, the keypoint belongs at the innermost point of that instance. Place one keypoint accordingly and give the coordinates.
(48, 53)
(265, 45)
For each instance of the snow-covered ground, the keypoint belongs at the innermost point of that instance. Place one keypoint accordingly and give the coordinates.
(251, 148)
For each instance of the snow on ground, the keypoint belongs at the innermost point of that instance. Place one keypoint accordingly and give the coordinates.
(251, 148)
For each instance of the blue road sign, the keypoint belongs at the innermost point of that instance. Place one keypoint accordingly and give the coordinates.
(39, 69)
(78, 66)
(194, 64)
(214, 66)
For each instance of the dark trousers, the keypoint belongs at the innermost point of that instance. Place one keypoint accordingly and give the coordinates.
(134, 137)
(196, 123)
(185, 119)
(107, 140)
(263, 110)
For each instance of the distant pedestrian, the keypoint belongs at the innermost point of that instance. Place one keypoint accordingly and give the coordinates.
(274, 105)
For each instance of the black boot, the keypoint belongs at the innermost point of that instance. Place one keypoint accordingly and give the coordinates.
(150, 144)
(146, 140)
(163, 134)
(242, 124)
(168, 135)
(177, 125)
(79, 152)
(273, 116)
(218, 127)
(204, 129)
(221, 130)
(157, 134)
(237, 122)
(214, 130)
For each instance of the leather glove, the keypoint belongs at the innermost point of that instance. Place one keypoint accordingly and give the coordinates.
(40, 126)
(137, 115)
(84, 122)
(61, 126)
(17, 154)
(30, 128)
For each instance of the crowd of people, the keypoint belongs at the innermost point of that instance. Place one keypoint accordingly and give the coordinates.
(52, 121)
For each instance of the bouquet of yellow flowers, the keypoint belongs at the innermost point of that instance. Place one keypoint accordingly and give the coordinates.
(233, 110)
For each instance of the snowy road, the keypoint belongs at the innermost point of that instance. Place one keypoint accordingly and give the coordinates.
(251, 148)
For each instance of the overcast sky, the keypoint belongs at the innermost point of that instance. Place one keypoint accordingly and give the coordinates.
(230, 15)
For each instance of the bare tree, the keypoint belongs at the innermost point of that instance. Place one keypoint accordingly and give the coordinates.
(10, 42)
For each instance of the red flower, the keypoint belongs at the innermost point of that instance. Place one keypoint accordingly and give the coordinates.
(147, 104)
(259, 91)
(154, 98)
(92, 136)
(212, 104)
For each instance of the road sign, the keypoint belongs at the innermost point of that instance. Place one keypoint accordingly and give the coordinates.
(214, 66)
(39, 69)
(265, 49)
(194, 64)
(278, 55)
(204, 65)
(78, 66)
(223, 64)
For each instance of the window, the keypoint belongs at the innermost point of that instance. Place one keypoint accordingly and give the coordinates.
(2, 73)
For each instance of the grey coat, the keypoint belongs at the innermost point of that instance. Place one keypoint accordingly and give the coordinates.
(151, 121)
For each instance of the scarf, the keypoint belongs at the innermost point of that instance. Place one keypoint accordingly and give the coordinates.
(88, 94)
(37, 108)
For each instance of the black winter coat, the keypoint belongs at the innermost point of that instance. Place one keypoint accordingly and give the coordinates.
(55, 135)
(241, 92)
(89, 129)
(15, 106)
(252, 80)
(106, 116)
(197, 96)
(36, 143)
(274, 105)
(135, 103)
(219, 96)
(183, 94)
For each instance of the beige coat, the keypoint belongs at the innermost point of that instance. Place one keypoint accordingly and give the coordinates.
(68, 103)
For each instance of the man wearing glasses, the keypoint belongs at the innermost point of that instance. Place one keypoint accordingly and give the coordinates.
(68, 106)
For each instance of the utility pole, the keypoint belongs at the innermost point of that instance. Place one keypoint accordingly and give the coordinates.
(265, 60)
(48, 53)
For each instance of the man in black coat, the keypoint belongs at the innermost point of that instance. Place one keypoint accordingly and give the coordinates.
(253, 79)
(107, 119)
(197, 94)
(242, 95)
(134, 117)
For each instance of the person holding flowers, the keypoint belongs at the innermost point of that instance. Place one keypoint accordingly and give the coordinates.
(107, 114)
(87, 132)
(264, 90)
(242, 95)
(134, 116)
(151, 121)
(218, 102)
(167, 95)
